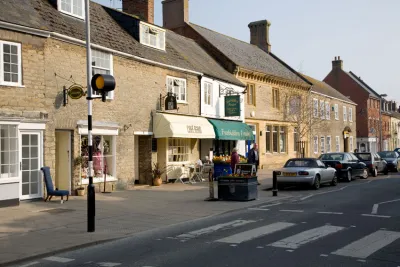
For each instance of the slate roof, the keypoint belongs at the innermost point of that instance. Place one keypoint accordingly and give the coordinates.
(326, 89)
(363, 84)
(248, 56)
(112, 29)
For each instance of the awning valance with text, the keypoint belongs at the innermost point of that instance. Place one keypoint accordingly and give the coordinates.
(169, 125)
(232, 130)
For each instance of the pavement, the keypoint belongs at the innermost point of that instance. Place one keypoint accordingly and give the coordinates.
(40, 228)
(352, 224)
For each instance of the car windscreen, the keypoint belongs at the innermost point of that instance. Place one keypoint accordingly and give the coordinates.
(364, 156)
(387, 154)
(295, 163)
(332, 156)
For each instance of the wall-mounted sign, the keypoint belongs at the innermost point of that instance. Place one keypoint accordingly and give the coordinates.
(75, 91)
(170, 101)
(232, 106)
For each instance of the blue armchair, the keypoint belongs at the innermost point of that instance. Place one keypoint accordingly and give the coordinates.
(50, 188)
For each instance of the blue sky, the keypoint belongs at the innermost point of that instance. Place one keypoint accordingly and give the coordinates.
(309, 34)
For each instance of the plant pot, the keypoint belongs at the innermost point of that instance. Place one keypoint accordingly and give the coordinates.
(80, 191)
(157, 181)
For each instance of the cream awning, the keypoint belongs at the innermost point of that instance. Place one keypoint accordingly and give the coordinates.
(169, 125)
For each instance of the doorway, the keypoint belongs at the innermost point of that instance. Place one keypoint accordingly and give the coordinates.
(63, 160)
(31, 162)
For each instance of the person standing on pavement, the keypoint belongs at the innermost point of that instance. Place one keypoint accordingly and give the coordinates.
(253, 157)
(234, 159)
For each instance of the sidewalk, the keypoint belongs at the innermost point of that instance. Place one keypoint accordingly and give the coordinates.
(38, 227)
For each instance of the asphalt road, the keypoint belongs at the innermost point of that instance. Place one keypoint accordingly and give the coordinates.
(354, 224)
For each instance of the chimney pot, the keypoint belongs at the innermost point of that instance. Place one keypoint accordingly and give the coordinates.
(259, 34)
(175, 13)
(337, 63)
(144, 9)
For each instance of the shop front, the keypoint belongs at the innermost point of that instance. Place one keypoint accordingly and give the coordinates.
(178, 141)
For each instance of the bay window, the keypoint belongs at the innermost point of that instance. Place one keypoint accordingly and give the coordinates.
(178, 149)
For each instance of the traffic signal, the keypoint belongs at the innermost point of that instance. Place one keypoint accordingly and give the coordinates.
(103, 83)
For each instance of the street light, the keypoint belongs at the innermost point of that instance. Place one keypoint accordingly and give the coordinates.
(380, 119)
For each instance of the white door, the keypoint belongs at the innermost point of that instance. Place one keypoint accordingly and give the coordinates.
(31, 162)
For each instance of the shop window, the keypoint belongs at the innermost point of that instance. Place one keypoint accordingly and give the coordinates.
(282, 139)
(268, 139)
(251, 94)
(9, 151)
(178, 87)
(295, 138)
(275, 138)
(178, 149)
(103, 157)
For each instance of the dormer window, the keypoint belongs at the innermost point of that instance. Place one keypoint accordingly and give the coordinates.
(152, 36)
(74, 8)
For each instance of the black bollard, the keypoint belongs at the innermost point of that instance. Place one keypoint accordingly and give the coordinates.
(274, 184)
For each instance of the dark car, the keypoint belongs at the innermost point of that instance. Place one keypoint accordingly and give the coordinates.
(397, 150)
(374, 162)
(347, 165)
(392, 159)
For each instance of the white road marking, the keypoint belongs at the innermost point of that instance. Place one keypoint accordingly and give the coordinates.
(289, 250)
(295, 241)
(322, 193)
(361, 260)
(29, 264)
(58, 259)
(368, 245)
(270, 205)
(108, 264)
(233, 245)
(292, 210)
(324, 255)
(374, 215)
(376, 206)
(303, 222)
(214, 228)
(260, 247)
(255, 233)
(330, 212)
(352, 226)
(258, 209)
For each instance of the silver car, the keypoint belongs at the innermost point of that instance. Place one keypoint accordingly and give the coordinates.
(307, 171)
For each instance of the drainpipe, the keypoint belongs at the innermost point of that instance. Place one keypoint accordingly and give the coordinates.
(311, 116)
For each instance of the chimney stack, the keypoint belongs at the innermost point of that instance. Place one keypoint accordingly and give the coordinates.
(394, 106)
(144, 9)
(175, 13)
(337, 63)
(259, 34)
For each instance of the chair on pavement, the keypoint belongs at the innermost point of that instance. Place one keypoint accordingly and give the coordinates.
(50, 188)
(198, 173)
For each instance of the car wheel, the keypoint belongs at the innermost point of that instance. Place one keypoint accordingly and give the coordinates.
(348, 177)
(334, 180)
(317, 183)
(365, 174)
(375, 172)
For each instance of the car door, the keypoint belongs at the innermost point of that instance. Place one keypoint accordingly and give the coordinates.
(323, 170)
(379, 162)
(357, 166)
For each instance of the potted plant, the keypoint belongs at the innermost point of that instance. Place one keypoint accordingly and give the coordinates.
(82, 163)
(157, 172)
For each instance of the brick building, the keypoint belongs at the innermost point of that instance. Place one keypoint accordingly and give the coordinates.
(42, 47)
(368, 105)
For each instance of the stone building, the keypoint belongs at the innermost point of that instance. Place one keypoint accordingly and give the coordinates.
(267, 79)
(43, 51)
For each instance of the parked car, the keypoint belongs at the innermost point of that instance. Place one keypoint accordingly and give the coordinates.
(374, 162)
(347, 165)
(309, 171)
(392, 159)
(397, 150)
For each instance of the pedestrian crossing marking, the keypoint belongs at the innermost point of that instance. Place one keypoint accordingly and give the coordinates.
(255, 233)
(295, 241)
(368, 245)
(214, 228)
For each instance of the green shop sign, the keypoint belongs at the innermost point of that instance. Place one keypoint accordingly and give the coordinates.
(232, 106)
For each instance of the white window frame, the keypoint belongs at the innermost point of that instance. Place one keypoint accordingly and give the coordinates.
(328, 110)
(336, 112)
(351, 114)
(315, 108)
(315, 144)
(344, 113)
(322, 143)
(72, 9)
(328, 144)
(110, 95)
(337, 145)
(2, 82)
(178, 95)
(208, 94)
(322, 109)
(145, 28)
(351, 143)
(182, 143)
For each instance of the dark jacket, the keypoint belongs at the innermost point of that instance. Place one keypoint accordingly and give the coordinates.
(234, 160)
(252, 157)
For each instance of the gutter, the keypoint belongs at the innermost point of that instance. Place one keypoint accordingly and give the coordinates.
(62, 37)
